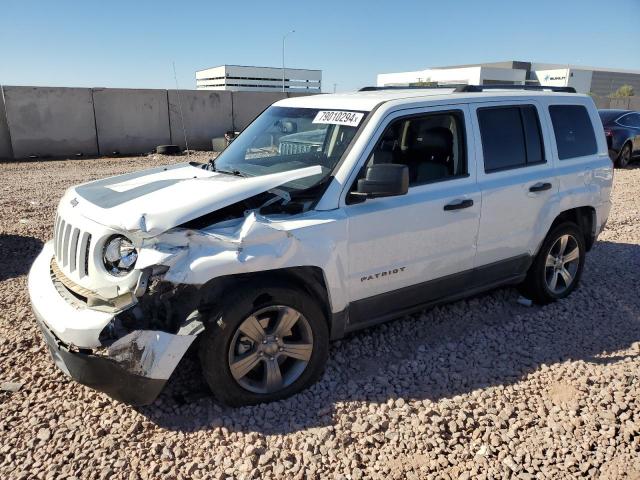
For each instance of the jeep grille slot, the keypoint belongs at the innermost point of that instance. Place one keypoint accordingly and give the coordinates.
(61, 226)
(65, 245)
(55, 234)
(84, 254)
(71, 248)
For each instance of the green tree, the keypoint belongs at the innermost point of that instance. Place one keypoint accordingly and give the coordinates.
(624, 91)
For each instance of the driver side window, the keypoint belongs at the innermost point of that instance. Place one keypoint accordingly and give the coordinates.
(432, 146)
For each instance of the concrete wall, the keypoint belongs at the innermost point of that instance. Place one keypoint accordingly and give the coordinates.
(47, 121)
(628, 103)
(131, 120)
(605, 83)
(5, 139)
(248, 105)
(207, 115)
(64, 122)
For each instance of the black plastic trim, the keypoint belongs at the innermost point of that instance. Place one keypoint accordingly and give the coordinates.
(497, 86)
(386, 306)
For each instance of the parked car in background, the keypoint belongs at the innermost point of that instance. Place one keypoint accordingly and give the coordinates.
(622, 129)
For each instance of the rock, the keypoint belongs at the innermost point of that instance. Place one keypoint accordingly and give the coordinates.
(480, 389)
(11, 386)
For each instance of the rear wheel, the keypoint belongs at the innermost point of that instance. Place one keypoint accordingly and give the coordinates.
(557, 268)
(624, 159)
(268, 342)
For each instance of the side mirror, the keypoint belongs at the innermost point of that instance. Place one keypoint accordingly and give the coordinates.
(384, 180)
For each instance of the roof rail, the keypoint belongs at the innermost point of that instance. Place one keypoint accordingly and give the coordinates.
(409, 87)
(480, 88)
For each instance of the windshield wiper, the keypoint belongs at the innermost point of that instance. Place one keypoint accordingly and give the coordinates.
(235, 172)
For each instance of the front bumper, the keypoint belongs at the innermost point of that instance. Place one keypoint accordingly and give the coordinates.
(102, 374)
(133, 369)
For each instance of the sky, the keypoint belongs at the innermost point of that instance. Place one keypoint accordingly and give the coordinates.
(133, 43)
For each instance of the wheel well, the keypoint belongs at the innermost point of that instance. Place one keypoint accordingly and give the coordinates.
(311, 279)
(584, 217)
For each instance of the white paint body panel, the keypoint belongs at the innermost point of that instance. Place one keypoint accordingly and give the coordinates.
(345, 241)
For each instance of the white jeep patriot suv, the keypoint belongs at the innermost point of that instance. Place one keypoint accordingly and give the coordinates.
(328, 214)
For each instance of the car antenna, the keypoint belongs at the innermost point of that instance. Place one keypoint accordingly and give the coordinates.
(184, 130)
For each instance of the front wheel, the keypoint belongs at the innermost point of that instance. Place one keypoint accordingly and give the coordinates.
(268, 342)
(557, 268)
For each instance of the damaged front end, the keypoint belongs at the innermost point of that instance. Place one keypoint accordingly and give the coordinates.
(126, 335)
(128, 353)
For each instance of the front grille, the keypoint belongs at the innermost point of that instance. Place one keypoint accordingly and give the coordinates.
(71, 247)
(292, 148)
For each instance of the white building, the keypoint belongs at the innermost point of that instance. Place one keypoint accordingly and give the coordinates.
(598, 81)
(465, 75)
(238, 78)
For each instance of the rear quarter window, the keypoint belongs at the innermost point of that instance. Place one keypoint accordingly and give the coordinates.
(573, 130)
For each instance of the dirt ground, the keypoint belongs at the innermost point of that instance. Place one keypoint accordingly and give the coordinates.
(482, 388)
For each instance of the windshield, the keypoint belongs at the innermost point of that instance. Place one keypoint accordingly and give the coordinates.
(284, 138)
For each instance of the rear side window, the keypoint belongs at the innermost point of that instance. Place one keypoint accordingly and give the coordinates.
(510, 137)
(573, 131)
(630, 120)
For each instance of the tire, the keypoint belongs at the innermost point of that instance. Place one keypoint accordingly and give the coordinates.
(624, 158)
(224, 344)
(539, 284)
(168, 149)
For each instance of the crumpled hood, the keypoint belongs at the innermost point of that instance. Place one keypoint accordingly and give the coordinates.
(153, 201)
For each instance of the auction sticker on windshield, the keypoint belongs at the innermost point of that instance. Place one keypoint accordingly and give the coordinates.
(337, 117)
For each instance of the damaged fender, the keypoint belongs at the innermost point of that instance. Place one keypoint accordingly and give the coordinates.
(255, 243)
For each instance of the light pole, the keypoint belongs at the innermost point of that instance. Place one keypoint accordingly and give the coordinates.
(284, 37)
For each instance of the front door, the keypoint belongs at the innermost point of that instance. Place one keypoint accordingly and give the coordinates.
(408, 250)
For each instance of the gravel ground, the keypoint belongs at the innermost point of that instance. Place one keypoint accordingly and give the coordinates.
(483, 388)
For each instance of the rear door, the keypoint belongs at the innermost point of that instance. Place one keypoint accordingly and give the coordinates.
(516, 178)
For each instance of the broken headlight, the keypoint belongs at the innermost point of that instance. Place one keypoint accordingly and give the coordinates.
(119, 255)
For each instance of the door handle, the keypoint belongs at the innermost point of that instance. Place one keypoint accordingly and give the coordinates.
(540, 187)
(459, 204)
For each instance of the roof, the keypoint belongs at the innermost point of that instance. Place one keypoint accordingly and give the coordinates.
(610, 115)
(368, 100)
(613, 110)
(255, 66)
